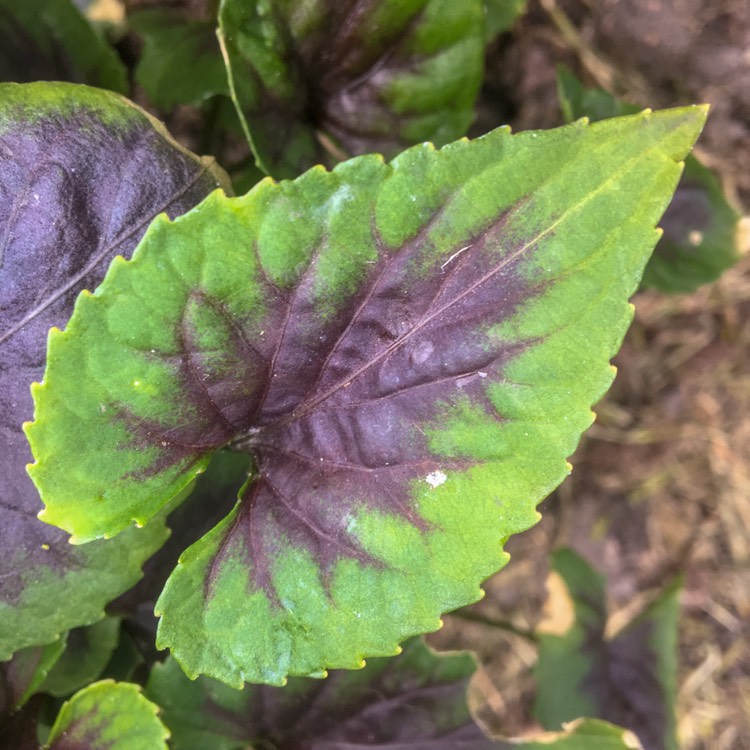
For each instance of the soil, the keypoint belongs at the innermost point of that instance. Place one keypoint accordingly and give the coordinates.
(661, 482)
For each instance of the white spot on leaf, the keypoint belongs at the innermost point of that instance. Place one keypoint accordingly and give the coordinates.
(435, 478)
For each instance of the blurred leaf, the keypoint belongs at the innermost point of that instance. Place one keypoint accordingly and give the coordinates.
(628, 679)
(700, 227)
(582, 734)
(501, 14)
(49, 40)
(87, 652)
(83, 172)
(414, 701)
(181, 61)
(108, 716)
(360, 77)
(408, 351)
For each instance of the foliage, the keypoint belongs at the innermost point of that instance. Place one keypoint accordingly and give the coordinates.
(341, 392)
(700, 227)
(628, 678)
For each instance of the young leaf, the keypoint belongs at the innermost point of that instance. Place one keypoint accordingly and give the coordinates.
(700, 227)
(368, 76)
(409, 352)
(82, 173)
(414, 701)
(172, 46)
(628, 679)
(108, 716)
(49, 40)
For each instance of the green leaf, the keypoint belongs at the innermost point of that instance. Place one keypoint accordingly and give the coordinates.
(108, 716)
(501, 14)
(700, 226)
(628, 679)
(181, 61)
(409, 353)
(87, 652)
(315, 79)
(49, 40)
(23, 675)
(82, 173)
(416, 700)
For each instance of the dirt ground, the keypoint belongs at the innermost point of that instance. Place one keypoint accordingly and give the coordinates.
(662, 480)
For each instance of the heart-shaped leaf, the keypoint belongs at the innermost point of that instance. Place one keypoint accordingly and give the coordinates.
(414, 701)
(629, 679)
(49, 40)
(700, 227)
(108, 716)
(409, 352)
(82, 173)
(316, 78)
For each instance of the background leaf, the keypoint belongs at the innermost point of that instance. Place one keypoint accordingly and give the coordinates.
(414, 701)
(582, 734)
(108, 716)
(24, 674)
(409, 352)
(370, 76)
(181, 61)
(87, 652)
(82, 173)
(49, 40)
(628, 679)
(500, 15)
(700, 227)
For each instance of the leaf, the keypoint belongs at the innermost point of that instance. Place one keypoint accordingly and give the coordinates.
(628, 679)
(501, 14)
(700, 234)
(49, 40)
(23, 675)
(173, 46)
(582, 734)
(108, 716)
(314, 80)
(87, 652)
(82, 173)
(409, 352)
(414, 701)
(700, 227)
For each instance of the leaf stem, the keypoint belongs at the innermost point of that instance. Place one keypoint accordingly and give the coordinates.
(492, 622)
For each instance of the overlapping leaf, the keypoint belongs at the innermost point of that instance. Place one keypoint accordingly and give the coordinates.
(414, 701)
(408, 351)
(87, 652)
(82, 173)
(700, 226)
(367, 76)
(49, 40)
(108, 716)
(628, 679)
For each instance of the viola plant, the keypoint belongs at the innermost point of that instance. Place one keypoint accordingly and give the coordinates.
(348, 389)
